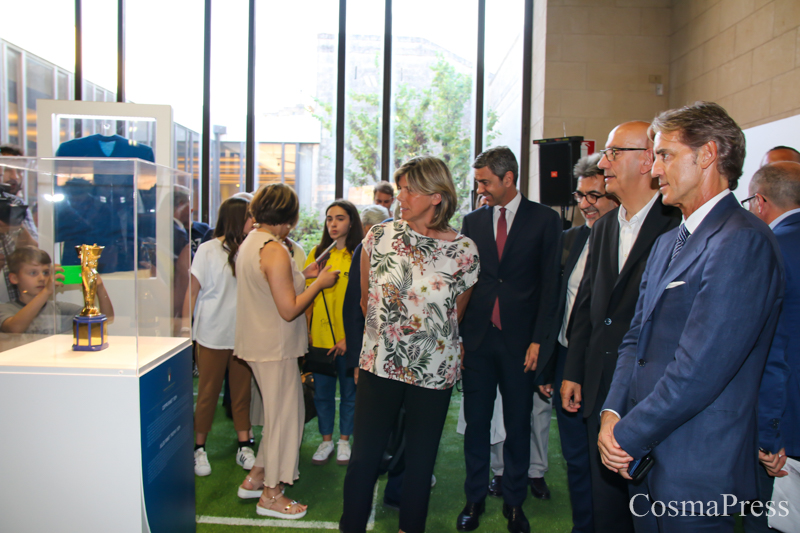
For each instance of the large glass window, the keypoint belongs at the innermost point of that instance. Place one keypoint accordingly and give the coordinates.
(39, 84)
(363, 100)
(99, 31)
(13, 96)
(296, 52)
(433, 67)
(502, 111)
(229, 23)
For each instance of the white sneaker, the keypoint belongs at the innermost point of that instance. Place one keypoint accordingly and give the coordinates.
(201, 465)
(246, 458)
(323, 453)
(343, 452)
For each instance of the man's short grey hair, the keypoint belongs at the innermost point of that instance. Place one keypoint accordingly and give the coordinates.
(586, 167)
(779, 183)
(374, 214)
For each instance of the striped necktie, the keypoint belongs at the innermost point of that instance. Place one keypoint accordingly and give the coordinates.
(683, 234)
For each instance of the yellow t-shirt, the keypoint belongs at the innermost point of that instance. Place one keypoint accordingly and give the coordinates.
(320, 330)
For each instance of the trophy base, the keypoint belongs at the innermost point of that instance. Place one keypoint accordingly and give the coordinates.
(89, 333)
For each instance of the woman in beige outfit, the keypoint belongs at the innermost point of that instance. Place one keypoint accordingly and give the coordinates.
(271, 333)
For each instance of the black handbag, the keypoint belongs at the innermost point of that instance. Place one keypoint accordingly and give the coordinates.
(308, 396)
(317, 359)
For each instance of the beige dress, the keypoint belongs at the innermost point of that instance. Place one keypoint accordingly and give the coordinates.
(271, 346)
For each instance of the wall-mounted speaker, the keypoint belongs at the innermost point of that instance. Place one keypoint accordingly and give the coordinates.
(557, 157)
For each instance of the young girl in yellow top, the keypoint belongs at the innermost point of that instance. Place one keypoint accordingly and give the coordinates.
(342, 226)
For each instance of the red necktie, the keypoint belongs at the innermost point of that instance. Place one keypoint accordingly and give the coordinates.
(502, 233)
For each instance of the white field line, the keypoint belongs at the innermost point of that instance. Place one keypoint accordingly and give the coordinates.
(291, 524)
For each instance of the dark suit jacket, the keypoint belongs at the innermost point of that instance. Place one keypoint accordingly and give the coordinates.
(525, 280)
(779, 396)
(352, 317)
(573, 240)
(607, 300)
(687, 378)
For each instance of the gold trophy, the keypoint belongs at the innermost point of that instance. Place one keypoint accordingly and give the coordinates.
(89, 328)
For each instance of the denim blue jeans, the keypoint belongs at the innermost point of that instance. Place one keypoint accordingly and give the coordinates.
(325, 399)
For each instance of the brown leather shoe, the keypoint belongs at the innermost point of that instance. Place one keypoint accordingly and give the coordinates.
(496, 486)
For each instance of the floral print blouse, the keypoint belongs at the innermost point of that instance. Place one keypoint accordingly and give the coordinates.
(411, 332)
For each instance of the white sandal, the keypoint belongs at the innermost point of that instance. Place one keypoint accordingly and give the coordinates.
(247, 494)
(285, 515)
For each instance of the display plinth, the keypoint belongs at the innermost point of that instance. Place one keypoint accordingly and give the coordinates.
(112, 439)
(89, 333)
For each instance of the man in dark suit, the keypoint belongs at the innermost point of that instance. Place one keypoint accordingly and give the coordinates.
(775, 199)
(618, 249)
(685, 390)
(508, 317)
(593, 202)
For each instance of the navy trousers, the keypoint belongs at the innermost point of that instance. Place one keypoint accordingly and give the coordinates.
(486, 368)
(575, 449)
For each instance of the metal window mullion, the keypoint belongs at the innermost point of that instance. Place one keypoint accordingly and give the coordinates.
(22, 101)
(479, 77)
(386, 123)
(340, 101)
(4, 92)
(250, 135)
(527, 88)
(205, 148)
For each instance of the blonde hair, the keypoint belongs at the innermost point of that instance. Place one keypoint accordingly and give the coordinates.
(429, 175)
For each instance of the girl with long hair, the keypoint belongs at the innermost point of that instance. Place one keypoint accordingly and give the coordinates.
(342, 227)
(214, 303)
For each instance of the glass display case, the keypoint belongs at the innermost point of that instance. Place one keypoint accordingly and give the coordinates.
(137, 392)
(140, 213)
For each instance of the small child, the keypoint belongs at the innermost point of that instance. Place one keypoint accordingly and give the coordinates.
(30, 269)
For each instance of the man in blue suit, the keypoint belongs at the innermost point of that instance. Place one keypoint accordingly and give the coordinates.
(775, 199)
(507, 319)
(686, 384)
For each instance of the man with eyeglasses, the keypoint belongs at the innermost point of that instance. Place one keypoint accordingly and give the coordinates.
(619, 246)
(775, 199)
(594, 202)
(685, 391)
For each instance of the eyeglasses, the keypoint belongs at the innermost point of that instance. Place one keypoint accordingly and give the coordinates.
(748, 199)
(612, 153)
(590, 197)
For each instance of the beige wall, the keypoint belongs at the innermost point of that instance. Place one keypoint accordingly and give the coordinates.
(743, 54)
(599, 56)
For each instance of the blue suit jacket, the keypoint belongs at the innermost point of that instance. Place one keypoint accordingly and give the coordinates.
(525, 279)
(779, 397)
(689, 369)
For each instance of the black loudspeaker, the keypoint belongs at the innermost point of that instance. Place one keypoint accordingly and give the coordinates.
(557, 157)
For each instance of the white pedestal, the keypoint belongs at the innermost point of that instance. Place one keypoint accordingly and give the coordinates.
(94, 441)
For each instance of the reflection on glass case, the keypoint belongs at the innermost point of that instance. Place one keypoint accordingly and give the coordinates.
(138, 214)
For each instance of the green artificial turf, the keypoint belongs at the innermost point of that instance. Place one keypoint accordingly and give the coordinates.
(321, 487)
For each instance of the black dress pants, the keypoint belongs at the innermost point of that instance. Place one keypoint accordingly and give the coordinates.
(378, 402)
(609, 490)
(488, 367)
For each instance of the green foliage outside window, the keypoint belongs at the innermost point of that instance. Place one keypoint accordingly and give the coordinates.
(428, 120)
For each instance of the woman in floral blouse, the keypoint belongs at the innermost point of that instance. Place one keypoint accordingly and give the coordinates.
(416, 279)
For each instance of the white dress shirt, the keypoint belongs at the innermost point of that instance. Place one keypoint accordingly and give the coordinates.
(572, 291)
(629, 229)
(780, 218)
(511, 209)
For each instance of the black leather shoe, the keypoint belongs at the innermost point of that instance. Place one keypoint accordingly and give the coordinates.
(517, 523)
(539, 488)
(496, 486)
(468, 519)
